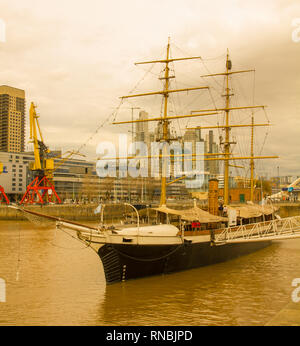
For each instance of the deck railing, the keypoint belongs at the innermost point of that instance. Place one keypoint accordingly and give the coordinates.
(261, 231)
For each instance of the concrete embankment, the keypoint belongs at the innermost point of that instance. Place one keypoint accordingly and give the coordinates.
(289, 209)
(112, 212)
(71, 212)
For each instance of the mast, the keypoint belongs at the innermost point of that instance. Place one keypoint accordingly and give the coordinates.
(227, 127)
(252, 161)
(227, 135)
(163, 195)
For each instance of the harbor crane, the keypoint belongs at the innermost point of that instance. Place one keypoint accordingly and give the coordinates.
(41, 190)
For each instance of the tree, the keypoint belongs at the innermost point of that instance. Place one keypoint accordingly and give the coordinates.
(266, 186)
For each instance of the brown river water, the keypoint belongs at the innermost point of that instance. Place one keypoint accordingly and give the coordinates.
(52, 279)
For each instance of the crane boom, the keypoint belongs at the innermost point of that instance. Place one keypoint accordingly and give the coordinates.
(42, 163)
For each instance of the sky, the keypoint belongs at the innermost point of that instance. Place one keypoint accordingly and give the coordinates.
(75, 59)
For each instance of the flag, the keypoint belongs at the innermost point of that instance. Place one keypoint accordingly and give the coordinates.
(98, 209)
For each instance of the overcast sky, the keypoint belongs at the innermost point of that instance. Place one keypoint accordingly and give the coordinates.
(74, 59)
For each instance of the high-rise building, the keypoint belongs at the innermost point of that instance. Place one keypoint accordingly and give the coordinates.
(12, 119)
(142, 134)
(141, 128)
(211, 148)
(193, 136)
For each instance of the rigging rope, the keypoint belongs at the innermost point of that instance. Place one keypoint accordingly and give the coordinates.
(19, 256)
(68, 248)
(113, 114)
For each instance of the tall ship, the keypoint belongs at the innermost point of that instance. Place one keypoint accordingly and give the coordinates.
(166, 240)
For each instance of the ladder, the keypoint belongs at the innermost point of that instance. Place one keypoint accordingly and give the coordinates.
(278, 229)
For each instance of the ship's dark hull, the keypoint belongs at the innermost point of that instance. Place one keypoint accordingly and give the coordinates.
(122, 262)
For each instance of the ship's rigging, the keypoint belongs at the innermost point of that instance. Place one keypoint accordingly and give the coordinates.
(227, 156)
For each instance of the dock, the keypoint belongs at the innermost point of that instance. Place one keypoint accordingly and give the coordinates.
(74, 212)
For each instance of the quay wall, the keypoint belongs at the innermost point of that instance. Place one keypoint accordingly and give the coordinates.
(111, 213)
(69, 212)
(289, 209)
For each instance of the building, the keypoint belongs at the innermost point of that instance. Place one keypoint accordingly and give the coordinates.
(211, 147)
(77, 180)
(241, 195)
(12, 119)
(193, 136)
(142, 129)
(15, 174)
(211, 168)
(142, 134)
(69, 178)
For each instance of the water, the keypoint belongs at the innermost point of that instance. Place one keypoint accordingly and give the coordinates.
(61, 282)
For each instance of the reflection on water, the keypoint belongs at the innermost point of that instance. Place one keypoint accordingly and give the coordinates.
(62, 283)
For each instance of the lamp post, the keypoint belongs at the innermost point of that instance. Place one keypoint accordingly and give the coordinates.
(138, 219)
